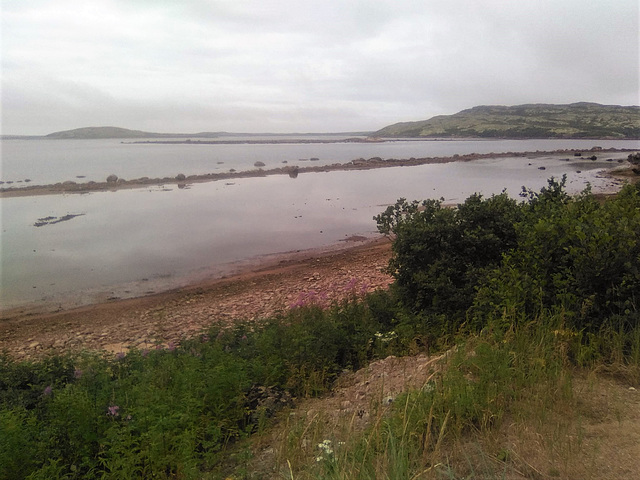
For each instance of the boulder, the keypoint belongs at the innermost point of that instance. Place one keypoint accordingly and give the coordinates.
(112, 178)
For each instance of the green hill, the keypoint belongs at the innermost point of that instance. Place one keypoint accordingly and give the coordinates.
(101, 132)
(577, 120)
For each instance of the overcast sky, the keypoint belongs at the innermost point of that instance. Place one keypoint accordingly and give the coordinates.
(304, 66)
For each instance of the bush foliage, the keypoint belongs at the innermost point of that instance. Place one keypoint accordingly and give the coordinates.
(493, 256)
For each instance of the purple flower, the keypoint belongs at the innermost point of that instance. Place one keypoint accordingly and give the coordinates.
(171, 346)
(351, 285)
(77, 373)
(120, 355)
(113, 410)
(145, 352)
(243, 338)
(48, 391)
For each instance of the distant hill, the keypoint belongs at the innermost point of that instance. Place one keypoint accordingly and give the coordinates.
(116, 132)
(577, 120)
(101, 132)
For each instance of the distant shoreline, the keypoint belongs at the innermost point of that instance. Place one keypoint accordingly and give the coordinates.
(293, 171)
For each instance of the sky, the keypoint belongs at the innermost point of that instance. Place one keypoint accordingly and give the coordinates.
(187, 66)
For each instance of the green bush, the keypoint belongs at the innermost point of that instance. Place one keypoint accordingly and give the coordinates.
(495, 258)
(440, 253)
(574, 256)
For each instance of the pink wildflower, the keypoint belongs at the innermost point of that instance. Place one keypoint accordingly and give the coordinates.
(48, 391)
(351, 285)
(77, 373)
(113, 410)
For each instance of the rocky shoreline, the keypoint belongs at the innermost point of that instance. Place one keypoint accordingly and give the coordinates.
(113, 183)
(159, 320)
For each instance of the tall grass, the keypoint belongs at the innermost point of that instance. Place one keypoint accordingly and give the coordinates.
(492, 381)
(180, 412)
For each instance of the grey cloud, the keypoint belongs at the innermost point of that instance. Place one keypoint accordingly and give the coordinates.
(290, 65)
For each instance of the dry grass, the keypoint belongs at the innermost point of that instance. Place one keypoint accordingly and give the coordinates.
(580, 424)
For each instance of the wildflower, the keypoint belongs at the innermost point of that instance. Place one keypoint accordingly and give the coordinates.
(351, 285)
(145, 352)
(325, 446)
(171, 346)
(113, 410)
(47, 391)
(243, 338)
(77, 373)
(205, 338)
(120, 355)
(386, 337)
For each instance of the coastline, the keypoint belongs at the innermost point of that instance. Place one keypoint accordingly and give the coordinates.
(257, 291)
(181, 181)
(253, 289)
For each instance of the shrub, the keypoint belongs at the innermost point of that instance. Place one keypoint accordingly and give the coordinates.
(575, 256)
(440, 253)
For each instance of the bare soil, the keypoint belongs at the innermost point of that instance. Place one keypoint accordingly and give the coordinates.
(144, 322)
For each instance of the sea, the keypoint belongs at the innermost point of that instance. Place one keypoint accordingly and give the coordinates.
(66, 250)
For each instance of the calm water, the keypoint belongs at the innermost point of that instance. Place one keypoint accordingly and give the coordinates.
(51, 161)
(131, 242)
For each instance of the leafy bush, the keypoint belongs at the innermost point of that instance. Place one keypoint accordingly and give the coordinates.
(496, 258)
(575, 256)
(440, 253)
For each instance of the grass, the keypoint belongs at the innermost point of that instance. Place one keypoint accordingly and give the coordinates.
(502, 403)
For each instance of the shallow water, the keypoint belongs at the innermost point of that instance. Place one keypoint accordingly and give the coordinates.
(131, 242)
(50, 161)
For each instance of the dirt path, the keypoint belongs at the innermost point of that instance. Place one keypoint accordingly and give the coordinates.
(168, 317)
